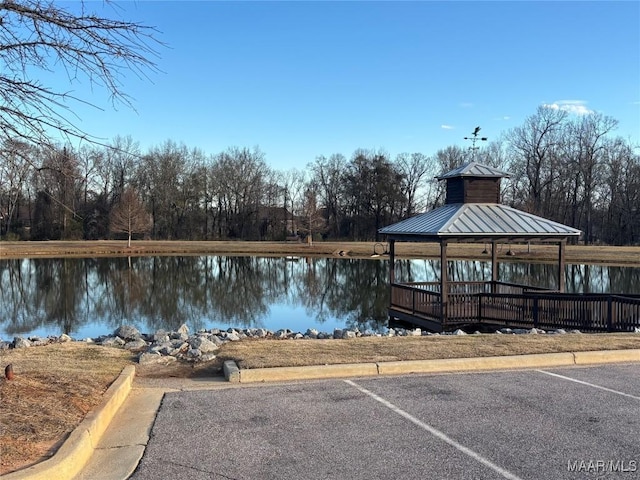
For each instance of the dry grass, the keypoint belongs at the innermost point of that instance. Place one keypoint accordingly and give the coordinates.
(54, 387)
(283, 353)
(538, 253)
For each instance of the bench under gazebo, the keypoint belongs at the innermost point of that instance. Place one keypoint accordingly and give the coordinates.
(472, 213)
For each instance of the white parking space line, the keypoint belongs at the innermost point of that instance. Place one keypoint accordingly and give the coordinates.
(436, 433)
(589, 384)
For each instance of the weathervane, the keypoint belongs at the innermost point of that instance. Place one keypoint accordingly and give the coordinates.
(474, 139)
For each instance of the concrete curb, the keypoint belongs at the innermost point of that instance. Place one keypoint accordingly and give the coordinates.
(543, 360)
(78, 448)
(607, 356)
(308, 373)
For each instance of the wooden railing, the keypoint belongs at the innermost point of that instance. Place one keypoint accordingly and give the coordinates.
(517, 306)
(585, 312)
(416, 301)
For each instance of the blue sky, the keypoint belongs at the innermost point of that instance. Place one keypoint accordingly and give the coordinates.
(303, 79)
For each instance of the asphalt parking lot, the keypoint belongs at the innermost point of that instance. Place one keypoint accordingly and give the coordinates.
(535, 424)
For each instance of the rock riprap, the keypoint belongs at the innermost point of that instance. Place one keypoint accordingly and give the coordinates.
(164, 347)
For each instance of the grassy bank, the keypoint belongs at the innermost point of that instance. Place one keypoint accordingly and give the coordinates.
(577, 254)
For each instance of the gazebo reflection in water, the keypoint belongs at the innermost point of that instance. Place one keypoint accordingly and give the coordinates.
(473, 213)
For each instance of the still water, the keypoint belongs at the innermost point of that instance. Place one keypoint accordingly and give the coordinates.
(88, 297)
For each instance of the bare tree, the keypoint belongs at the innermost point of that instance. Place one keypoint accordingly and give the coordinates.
(41, 36)
(293, 182)
(535, 147)
(328, 175)
(129, 215)
(414, 168)
(15, 160)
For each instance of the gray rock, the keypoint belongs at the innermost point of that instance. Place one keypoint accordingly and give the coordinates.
(161, 336)
(5, 345)
(183, 337)
(183, 329)
(281, 334)
(64, 338)
(459, 332)
(203, 344)
(147, 358)
(575, 331)
(207, 357)
(312, 333)
(535, 331)
(416, 332)
(180, 348)
(560, 331)
(261, 333)
(636, 330)
(337, 333)
(298, 336)
(19, 342)
(347, 334)
(194, 353)
(164, 348)
(135, 344)
(127, 332)
(112, 342)
(233, 337)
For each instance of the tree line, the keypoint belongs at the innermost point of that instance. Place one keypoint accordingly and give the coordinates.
(570, 169)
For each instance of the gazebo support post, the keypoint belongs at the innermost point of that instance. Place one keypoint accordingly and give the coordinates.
(561, 263)
(444, 283)
(392, 262)
(494, 266)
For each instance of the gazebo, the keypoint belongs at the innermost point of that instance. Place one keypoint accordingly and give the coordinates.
(472, 212)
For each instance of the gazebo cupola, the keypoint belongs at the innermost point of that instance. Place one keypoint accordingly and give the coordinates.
(473, 183)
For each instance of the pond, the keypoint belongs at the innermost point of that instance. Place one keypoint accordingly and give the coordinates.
(88, 297)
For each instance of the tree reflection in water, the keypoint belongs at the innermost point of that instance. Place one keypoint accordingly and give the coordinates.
(99, 294)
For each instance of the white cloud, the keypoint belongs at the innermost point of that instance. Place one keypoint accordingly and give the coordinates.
(447, 127)
(575, 107)
(506, 117)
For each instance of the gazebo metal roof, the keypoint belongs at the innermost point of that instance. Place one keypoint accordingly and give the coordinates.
(474, 169)
(477, 222)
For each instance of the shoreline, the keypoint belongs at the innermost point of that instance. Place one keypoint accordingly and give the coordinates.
(537, 253)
